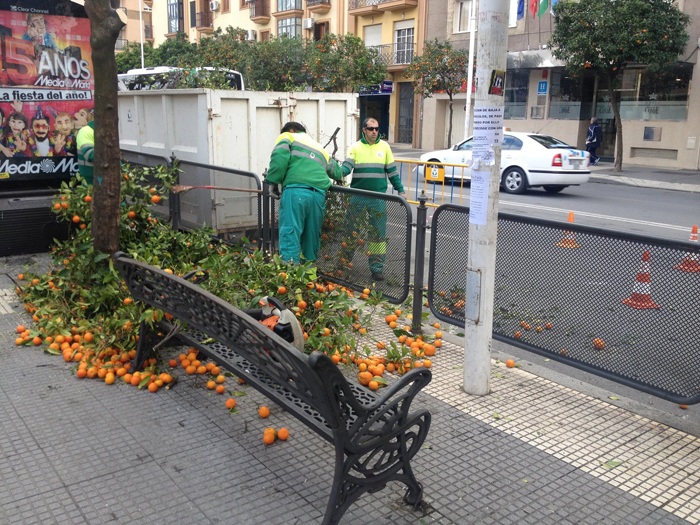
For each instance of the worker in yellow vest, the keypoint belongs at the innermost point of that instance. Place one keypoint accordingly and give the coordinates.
(372, 166)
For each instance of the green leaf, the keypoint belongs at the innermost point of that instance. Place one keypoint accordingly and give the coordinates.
(610, 464)
(101, 257)
(234, 410)
(614, 398)
(144, 382)
(496, 415)
(238, 393)
(380, 380)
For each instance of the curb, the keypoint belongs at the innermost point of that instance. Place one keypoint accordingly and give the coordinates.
(642, 183)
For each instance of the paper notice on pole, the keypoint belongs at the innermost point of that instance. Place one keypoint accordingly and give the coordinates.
(479, 197)
(488, 125)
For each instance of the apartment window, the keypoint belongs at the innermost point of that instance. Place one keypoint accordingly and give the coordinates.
(226, 6)
(404, 34)
(174, 16)
(193, 14)
(288, 5)
(289, 26)
(463, 16)
(264, 35)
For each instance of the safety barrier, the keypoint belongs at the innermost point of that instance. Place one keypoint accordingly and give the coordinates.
(622, 306)
(442, 183)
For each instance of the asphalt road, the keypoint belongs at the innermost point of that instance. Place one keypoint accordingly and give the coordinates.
(657, 213)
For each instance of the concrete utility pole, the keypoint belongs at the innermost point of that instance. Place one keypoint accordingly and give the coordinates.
(483, 201)
(470, 71)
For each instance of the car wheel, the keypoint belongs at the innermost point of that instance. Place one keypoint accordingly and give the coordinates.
(554, 189)
(514, 180)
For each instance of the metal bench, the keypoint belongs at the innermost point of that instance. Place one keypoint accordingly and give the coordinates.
(374, 435)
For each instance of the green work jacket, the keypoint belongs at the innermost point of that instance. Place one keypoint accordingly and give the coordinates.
(298, 159)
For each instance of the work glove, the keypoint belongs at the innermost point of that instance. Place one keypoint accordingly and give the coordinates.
(402, 194)
(276, 191)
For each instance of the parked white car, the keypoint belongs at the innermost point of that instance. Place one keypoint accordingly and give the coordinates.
(527, 160)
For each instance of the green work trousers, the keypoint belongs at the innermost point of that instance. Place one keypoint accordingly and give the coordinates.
(369, 216)
(301, 216)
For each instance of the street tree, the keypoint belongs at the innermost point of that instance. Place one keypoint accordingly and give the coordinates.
(341, 63)
(440, 69)
(176, 52)
(106, 22)
(606, 37)
(278, 64)
(130, 58)
(225, 48)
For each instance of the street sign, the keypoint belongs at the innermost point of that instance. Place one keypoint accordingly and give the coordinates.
(542, 87)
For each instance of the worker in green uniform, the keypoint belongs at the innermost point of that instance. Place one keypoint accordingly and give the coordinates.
(302, 167)
(85, 142)
(372, 164)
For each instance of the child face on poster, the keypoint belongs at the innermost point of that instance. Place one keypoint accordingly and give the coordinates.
(63, 124)
(81, 118)
(17, 124)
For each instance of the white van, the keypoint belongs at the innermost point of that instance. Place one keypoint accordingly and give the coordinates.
(164, 77)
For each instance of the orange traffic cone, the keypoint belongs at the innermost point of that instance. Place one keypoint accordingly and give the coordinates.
(690, 262)
(641, 293)
(569, 240)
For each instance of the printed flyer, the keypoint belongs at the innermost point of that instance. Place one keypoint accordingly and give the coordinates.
(46, 87)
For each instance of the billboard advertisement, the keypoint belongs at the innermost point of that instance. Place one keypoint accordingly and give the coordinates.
(46, 88)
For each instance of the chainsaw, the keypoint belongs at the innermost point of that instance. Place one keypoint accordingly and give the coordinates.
(274, 315)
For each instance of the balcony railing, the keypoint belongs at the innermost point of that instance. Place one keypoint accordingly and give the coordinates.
(204, 19)
(358, 4)
(312, 3)
(121, 44)
(397, 54)
(259, 8)
(318, 6)
(368, 6)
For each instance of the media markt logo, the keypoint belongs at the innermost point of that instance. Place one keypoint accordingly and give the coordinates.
(47, 166)
(65, 165)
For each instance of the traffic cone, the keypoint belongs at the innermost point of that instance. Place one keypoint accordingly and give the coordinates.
(690, 262)
(569, 240)
(641, 293)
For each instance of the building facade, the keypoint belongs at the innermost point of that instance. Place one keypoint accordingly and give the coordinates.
(260, 18)
(395, 28)
(659, 111)
(139, 15)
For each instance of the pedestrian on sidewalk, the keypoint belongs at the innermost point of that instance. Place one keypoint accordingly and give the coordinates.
(594, 137)
(302, 167)
(372, 164)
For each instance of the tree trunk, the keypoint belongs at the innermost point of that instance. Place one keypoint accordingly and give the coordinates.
(618, 125)
(449, 134)
(105, 25)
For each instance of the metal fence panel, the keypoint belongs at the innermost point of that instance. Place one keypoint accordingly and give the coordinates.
(358, 227)
(622, 306)
(136, 159)
(232, 214)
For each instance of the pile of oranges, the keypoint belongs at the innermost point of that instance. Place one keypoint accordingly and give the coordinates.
(526, 326)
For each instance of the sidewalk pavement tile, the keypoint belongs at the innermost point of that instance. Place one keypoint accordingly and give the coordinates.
(81, 452)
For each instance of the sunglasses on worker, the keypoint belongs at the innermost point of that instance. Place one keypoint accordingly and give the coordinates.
(372, 129)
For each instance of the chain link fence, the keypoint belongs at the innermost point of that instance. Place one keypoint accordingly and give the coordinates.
(622, 306)
(366, 233)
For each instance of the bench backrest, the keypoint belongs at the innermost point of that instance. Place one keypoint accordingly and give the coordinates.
(228, 325)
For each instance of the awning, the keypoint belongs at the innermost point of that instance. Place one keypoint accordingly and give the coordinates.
(537, 59)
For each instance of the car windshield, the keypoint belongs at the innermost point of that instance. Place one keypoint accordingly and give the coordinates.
(549, 142)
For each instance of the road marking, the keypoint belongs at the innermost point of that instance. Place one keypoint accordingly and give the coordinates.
(566, 212)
